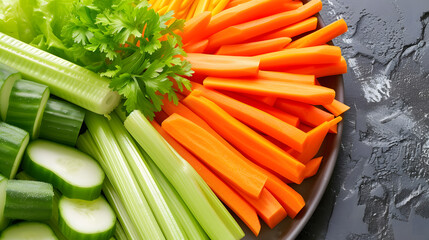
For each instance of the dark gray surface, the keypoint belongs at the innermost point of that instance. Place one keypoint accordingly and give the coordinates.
(379, 188)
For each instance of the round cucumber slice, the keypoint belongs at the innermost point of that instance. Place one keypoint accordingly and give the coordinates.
(86, 220)
(71, 171)
(28, 231)
(27, 102)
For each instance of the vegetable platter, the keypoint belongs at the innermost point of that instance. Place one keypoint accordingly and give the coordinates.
(166, 119)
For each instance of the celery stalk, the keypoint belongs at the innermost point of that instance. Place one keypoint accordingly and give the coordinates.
(207, 209)
(117, 170)
(64, 79)
(181, 212)
(145, 178)
(119, 233)
(86, 144)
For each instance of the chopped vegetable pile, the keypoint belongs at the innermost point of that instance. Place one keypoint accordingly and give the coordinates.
(119, 120)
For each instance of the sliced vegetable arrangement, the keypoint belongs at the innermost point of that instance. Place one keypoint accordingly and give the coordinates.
(228, 106)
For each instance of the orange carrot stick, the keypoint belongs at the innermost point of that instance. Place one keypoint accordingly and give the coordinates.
(321, 36)
(288, 77)
(222, 66)
(319, 70)
(305, 93)
(315, 139)
(307, 114)
(196, 47)
(231, 198)
(303, 56)
(245, 139)
(229, 167)
(160, 116)
(234, 3)
(270, 101)
(249, 29)
(257, 118)
(243, 13)
(293, 30)
(195, 26)
(254, 48)
(267, 207)
(292, 5)
(312, 167)
(286, 117)
(336, 107)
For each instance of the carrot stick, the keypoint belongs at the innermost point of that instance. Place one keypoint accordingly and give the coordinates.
(312, 166)
(321, 36)
(195, 26)
(286, 117)
(245, 139)
(234, 3)
(254, 48)
(257, 118)
(222, 66)
(315, 139)
(303, 56)
(249, 29)
(267, 207)
(196, 47)
(229, 167)
(305, 93)
(228, 196)
(242, 13)
(336, 107)
(288, 77)
(270, 101)
(220, 7)
(292, 5)
(319, 70)
(293, 30)
(307, 114)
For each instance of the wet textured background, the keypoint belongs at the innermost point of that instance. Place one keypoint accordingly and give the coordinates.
(379, 188)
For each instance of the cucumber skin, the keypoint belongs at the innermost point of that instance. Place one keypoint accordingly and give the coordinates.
(70, 233)
(42, 174)
(11, 139)
(61, 122)
(29, 200)
(24, 102)
(4, 234)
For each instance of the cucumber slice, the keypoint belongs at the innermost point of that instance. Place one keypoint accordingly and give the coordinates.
(28, 231)
(3, 221)
(8, 76)
(82, 220)
(71, 171)
(13, 142)
(61, 122)
(27, 102)
(29, 200)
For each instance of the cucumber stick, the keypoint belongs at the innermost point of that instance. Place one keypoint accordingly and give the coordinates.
(27, 102)
(13, 142)
(65, 79)
(7, 79)
(3, 221)
(86, 220)
(28, 200)
(61, 122)
(28, 231)
(71, 171)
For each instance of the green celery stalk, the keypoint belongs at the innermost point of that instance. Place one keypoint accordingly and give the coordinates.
(117, 170)
(145, 178)
(119, 233)
(86, 144)
(204, 205)
(179, 208)
(64, 79)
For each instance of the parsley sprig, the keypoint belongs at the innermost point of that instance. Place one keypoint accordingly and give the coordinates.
(134, 46)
